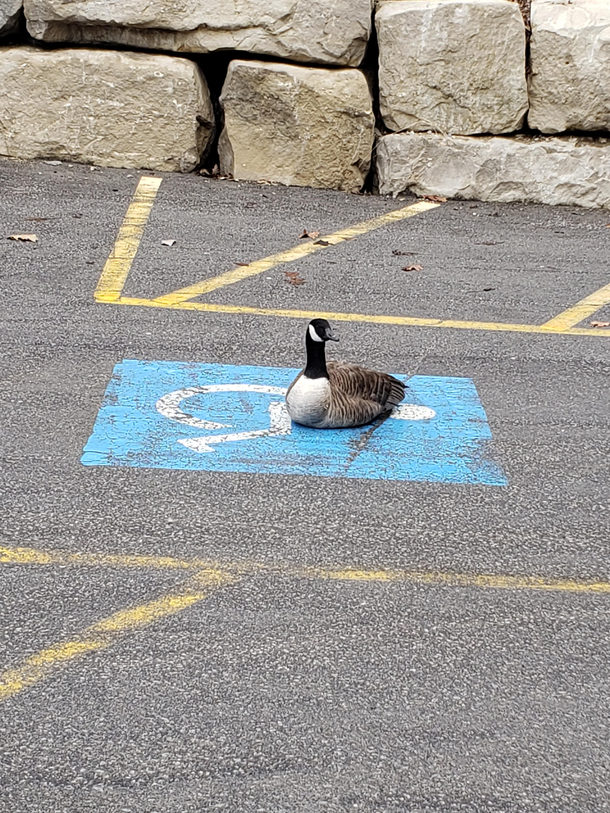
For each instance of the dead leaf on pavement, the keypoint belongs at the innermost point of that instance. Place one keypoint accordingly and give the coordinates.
(322, 243)
(412, 268)
(293, 278)
(435, 198)
(312, 234)
(600, 324)
(398, 253)
(24, 238)
(168, 242)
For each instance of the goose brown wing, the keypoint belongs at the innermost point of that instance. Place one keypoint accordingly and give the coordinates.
(356, 382)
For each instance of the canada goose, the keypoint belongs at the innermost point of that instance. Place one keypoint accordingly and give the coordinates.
(337, 394)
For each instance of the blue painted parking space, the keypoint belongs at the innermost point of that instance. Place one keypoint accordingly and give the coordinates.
(217, 417)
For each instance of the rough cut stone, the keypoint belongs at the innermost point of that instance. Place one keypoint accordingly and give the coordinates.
(570, 61)
(303, 30)
(10, 11)
(451, 66)
(541, 170)
(295, 125)
(104, 107)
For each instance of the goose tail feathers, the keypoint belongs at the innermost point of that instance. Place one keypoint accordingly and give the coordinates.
(397, 392)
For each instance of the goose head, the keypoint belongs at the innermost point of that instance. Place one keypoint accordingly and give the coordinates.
(319, 330)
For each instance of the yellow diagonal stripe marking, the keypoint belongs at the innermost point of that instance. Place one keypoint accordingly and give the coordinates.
(410, 321)
(118, 264)
(581, 310)
(292, 254)
(105, 633)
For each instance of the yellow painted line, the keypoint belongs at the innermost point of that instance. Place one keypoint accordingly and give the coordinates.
(40, 665)
(118, 264)
(225, 571)
(25, 556)
(580, 311)
(104, 633)
(292, 254)
(31, 556)
(412, 321)
(462, 580)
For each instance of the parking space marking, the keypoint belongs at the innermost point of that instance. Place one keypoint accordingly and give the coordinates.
(116, 270)
(115, 273)
(209, 576)
(106, 632)
(580, 311)
(164, 414)
(296, 253)
(406, 321)
(481, 580)
(232, 571)
(31, 556)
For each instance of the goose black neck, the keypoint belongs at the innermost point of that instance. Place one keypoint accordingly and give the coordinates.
(316, 358)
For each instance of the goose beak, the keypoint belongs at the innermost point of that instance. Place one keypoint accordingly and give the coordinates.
(331, 337)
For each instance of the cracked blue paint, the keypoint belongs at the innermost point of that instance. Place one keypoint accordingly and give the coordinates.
(454, 446)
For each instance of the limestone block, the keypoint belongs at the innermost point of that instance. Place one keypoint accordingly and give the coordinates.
(9, 16)
(574, 171)
(302, 30)
(451, 66)
(295, 125)
(569, 84)
(104, 107)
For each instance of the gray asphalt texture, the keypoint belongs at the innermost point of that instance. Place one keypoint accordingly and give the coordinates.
(283, 693)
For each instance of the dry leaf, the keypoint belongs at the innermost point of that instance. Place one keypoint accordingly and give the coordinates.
(412, 268)
(242, 263)
(434, 198)
(322, 243)
(312, 234)
(600, 324)
(293, 278)
(24, 238)
(398, 253)
(168, 242)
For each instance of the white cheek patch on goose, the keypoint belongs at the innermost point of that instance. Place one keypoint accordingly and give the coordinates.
(314, 335)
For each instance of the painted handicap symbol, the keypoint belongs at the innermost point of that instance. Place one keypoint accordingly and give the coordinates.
(279, 419)
(217, 417)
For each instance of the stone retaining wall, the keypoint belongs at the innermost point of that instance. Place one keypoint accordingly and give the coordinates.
(103, 107)
(295, 104)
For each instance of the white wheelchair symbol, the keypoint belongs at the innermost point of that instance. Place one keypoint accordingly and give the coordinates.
(279, 419)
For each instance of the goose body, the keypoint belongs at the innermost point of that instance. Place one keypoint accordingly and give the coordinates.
(336, 394)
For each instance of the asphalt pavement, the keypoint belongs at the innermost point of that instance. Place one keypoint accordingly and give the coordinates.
(180, 640)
